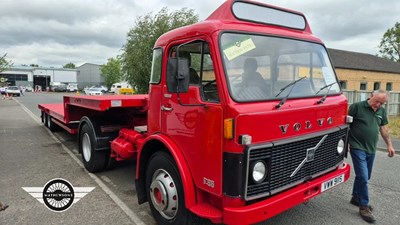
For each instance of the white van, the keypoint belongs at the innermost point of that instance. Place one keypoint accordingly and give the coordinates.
(72, 87)
(116, 86)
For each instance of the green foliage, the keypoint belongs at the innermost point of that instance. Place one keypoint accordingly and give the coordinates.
(112, 71)
(4, 64)
(394, 126)
(137, 51)
(390, 44)
(69, 66)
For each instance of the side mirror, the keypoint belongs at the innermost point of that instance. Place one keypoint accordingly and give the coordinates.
(178, 75)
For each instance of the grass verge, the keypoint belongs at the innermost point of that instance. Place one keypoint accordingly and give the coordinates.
(394, 126)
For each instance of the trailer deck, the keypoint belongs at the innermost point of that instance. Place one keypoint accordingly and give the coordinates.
(68, 113)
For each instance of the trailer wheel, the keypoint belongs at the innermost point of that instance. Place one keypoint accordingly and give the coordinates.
(50, 124)
(93, 161)
(42, 115)
(165, 191)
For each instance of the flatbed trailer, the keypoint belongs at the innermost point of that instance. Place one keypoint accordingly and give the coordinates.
(68, 114)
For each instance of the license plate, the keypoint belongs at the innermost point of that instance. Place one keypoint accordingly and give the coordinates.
(332, 183)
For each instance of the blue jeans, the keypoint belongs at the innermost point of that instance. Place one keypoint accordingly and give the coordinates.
(362, 164)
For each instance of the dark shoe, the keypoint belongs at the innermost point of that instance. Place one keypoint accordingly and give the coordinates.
(354, 201)
(366, 214)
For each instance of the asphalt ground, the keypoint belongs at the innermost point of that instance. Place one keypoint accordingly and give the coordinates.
(30, 156)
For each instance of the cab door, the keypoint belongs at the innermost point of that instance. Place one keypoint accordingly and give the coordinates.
(193, 119)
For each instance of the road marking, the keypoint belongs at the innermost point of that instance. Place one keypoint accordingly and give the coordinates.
(133, 216)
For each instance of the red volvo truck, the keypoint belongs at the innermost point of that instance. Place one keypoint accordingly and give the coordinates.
(244, 119)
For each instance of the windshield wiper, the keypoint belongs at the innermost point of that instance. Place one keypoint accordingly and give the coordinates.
(284, 88)
(322, 100)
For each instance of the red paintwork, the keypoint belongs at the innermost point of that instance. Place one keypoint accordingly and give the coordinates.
(122, 149)
(105, 102)
(124, 146)
(74, 108)
(262, 120)
(197, 130)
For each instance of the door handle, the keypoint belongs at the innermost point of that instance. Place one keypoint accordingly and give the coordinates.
(169, 109)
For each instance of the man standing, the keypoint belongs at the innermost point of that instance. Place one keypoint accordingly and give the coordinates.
(369, 119)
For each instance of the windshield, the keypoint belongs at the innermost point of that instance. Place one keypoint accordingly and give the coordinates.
(264, 68)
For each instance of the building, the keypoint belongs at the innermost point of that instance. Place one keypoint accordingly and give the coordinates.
(85, 75)
(89, 74)
(365, 72)
(38, 76)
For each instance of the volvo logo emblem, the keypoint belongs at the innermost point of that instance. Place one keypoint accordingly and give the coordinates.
(310, 154)
(307, 125)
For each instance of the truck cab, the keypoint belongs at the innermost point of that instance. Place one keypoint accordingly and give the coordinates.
(247, 106)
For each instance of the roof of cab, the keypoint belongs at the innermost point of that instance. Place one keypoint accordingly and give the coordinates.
(223, 19)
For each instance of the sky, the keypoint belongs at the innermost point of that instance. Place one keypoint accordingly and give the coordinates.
(53, 33)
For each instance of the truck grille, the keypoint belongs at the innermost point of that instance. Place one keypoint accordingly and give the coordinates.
(285, 156)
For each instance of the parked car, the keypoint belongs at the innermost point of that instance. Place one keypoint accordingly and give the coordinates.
(58, 87)
(103, 88)
(28, 88)
(94, 91)
(13, 91)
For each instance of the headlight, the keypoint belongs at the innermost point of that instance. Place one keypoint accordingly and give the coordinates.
(340, 146)
(258, 171)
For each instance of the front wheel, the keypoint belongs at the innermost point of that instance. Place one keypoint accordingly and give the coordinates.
(165, 191)
(93, 161)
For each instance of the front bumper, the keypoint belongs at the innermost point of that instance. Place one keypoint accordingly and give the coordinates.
(281, 202)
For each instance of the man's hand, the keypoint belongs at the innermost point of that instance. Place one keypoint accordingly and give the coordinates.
(391, 151)
(386, 138)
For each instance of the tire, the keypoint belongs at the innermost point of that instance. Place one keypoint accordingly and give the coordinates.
(43, 117)
(50, 124)
(46, 120)
(164, 191)
(94, 161)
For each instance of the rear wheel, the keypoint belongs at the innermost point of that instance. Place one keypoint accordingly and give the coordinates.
(93, 161)
(50, 124)
(165, 191)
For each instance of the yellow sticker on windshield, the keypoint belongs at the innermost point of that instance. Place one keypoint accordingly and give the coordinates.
(239, 48)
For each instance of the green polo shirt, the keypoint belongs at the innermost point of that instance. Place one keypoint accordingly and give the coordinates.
(364, 130)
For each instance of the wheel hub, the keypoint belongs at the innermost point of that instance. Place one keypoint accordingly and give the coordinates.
(163, 194)
(86, 147)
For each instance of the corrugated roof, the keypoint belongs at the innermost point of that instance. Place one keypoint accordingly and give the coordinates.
(30, 68)
(362, 61)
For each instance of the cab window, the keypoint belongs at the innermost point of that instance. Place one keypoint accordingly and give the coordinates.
(201, 68)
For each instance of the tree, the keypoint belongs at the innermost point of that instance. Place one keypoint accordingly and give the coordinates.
(112, 71)
(137, 51)
(69, 66)
(390, 43)
(4, 64)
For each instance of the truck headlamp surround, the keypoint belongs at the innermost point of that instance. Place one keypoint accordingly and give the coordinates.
(258, 171)
(340, 146)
